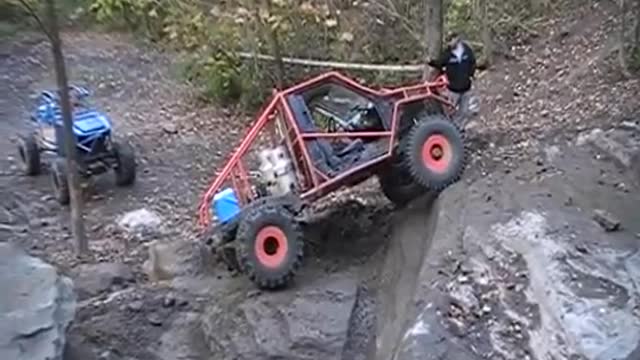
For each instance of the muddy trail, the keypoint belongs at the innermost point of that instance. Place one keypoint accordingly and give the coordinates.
(486, 270)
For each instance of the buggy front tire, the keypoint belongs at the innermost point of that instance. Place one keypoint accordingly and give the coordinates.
(269, 246)
(125, 167)
(29, 154)
(59, 181)
(434, 153)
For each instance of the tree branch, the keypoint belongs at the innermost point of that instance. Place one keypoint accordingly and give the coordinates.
(333, 64)
(406, 24)
(34, 14)
(514, 21)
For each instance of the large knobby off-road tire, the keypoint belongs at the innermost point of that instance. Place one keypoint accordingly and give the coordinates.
(434, 152)
(269, 246)
(59, 181)
(29, 154)
(398, 185)
(125, 167)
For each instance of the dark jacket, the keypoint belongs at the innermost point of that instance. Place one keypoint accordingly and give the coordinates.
(459, 71)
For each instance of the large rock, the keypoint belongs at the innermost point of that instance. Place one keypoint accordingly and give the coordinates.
(621, 145)
(94, 279)
(311, 323)
(587, 296)
(428, 339)
(168, 260)
(182, 340)
(515, 271)
(36, 306)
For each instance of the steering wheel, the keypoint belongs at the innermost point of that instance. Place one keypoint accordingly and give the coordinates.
(362, 108)
(358, 111)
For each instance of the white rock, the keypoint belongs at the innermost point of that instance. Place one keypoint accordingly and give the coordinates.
(586, 137)
(140, 220)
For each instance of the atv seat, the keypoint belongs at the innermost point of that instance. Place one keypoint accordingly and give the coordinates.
(322, 153)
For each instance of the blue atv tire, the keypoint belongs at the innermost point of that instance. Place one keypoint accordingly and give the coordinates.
(59, 181)
(29, 154)
(125, 168)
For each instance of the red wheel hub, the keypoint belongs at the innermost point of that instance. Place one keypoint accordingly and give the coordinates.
(436, 153)
(271, 246)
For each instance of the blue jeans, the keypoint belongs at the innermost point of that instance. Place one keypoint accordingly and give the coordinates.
(461, 102)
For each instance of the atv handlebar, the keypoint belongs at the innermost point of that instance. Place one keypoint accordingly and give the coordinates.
(77, 91)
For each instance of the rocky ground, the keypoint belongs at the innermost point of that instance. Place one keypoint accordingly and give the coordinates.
(513, 262)
(537, 263)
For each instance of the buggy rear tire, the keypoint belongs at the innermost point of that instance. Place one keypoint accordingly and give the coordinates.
(125, 168)
(29, 154)
(398, 185)
(434, 152)
(59, 181)
(269, 246)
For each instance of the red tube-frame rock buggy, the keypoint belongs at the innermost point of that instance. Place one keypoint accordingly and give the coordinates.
(321, 135)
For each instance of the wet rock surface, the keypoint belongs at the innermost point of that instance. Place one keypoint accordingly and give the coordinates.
(410, 240)
(313, 324)
(93, 279)
(429, 339)
(620, 144)
(583, 299)
(361, 336)
(517, 272)
(36, 306)
(183, 340)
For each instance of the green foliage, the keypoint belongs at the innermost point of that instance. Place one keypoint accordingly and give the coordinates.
(135, 15)
(389, 31)
(175, 22)
(14, 17)
(69, 12)
(8, 29)
(459, 17)
(217, 75)
(14, 11)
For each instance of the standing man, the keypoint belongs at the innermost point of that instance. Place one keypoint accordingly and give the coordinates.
(459, 63)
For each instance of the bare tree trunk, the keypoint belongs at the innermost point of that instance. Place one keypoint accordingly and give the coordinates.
(636, 29)
(77, 220)
(277, 53)
(622, 53)
(433, 28)
(274, 43)
(487, 38)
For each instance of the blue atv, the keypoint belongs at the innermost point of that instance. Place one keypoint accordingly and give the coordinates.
(97, 152)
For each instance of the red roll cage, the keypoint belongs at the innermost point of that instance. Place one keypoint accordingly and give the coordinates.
(314, 183)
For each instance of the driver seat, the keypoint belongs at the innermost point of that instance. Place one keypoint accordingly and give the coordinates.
(322, 153)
